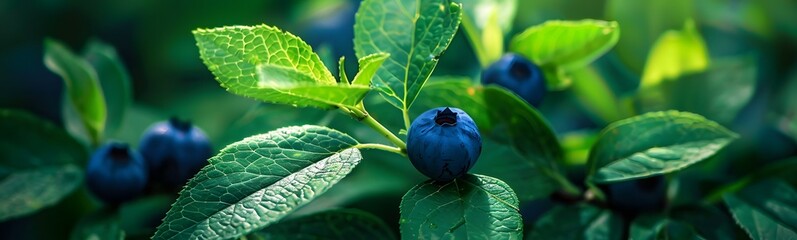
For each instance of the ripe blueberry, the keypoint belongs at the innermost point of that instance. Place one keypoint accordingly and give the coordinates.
(443, 143)
(518, 74)
(174, 150)
(116, 173)
(636, 196)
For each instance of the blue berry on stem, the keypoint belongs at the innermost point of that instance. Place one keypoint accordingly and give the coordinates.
(116, 173)
(519, 75)
(443, 143)
(175, 150)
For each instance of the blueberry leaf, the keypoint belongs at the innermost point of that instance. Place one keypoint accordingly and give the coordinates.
(340, 224)
(414, 32)
(527, 179)
(368, 67)
(767, 210)
(558, 46)
(578, 222)
(271, 65)
(259, 180)
(675, 53)
(653, 144)
(485, 22)
(98, 225)
(114, 80)
(660, 227)
(32, 179)
(470, 207)
(83, 90)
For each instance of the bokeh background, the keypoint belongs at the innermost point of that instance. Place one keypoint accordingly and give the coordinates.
(154, 40)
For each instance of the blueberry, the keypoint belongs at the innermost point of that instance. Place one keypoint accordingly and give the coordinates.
(443, 143)
(116, 173)
(175, 150)
(637, 196)
(518, 74)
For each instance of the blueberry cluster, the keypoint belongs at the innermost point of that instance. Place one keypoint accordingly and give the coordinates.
(170, 152)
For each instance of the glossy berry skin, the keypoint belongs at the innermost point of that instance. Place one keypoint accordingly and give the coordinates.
(116, 173)
(443, 143)
(175, 150)
(637, 196)
(519, 75)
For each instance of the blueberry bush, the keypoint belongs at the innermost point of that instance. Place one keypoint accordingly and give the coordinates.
(414, 119)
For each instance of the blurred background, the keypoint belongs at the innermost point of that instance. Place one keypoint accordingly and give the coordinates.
(154, 41)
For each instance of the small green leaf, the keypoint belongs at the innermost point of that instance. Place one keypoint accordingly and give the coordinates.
(344, 80)
(38, 164)
(559, 46)
(259, 180)
(274, 66)
(114, 80)
(675, 53)
(578, 222)
(653, 144)
(470, 207)
(98, 225)
(767, 210)
(414, 32)
(719, 93)
(485, 22)
(340, 224)
(368, 67)
(82, 86)
(659, 227)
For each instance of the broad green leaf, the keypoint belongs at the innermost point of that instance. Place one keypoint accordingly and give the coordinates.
(674, 54)
(485, 22)
(660, 227)
(414, 32)
(259, 180)
(340, 224)
(593, 92)
(81, 84)
(643, 22)
(578, 222)
(100, 225)
(767, 210)
(470, 207)
(527, 179)
(719, 93)
(368, 67)
(500, 115)
(653, 144)
(707, 221)
(271, 65)
(30, 178)
(559, 46)
(114, 80)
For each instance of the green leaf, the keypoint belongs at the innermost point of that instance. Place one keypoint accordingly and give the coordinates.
(340, 224)
(653, 144)
(718, 93)
(578, 222)
(344, 80)
(114, 80)
(593, 92)
(271, 65)
(81, 84)
(259, 180)
(767, 210)
(414, 32)
(485, 22)
(527, 179)
(707, 221)
(470, 207)
(368, 67)
(659, 227)
(675, 53)
(99, 225)
(30, 178)
(559, 46)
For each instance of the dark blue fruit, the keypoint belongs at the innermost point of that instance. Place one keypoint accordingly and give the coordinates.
(116, 173)
(637, 196)
(443, 143)
(174, 150)
(518, 74)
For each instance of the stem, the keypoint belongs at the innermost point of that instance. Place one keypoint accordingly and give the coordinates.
(371, 122)
(406, 113)
(596, 192)
(381, 147)
(566, 185)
